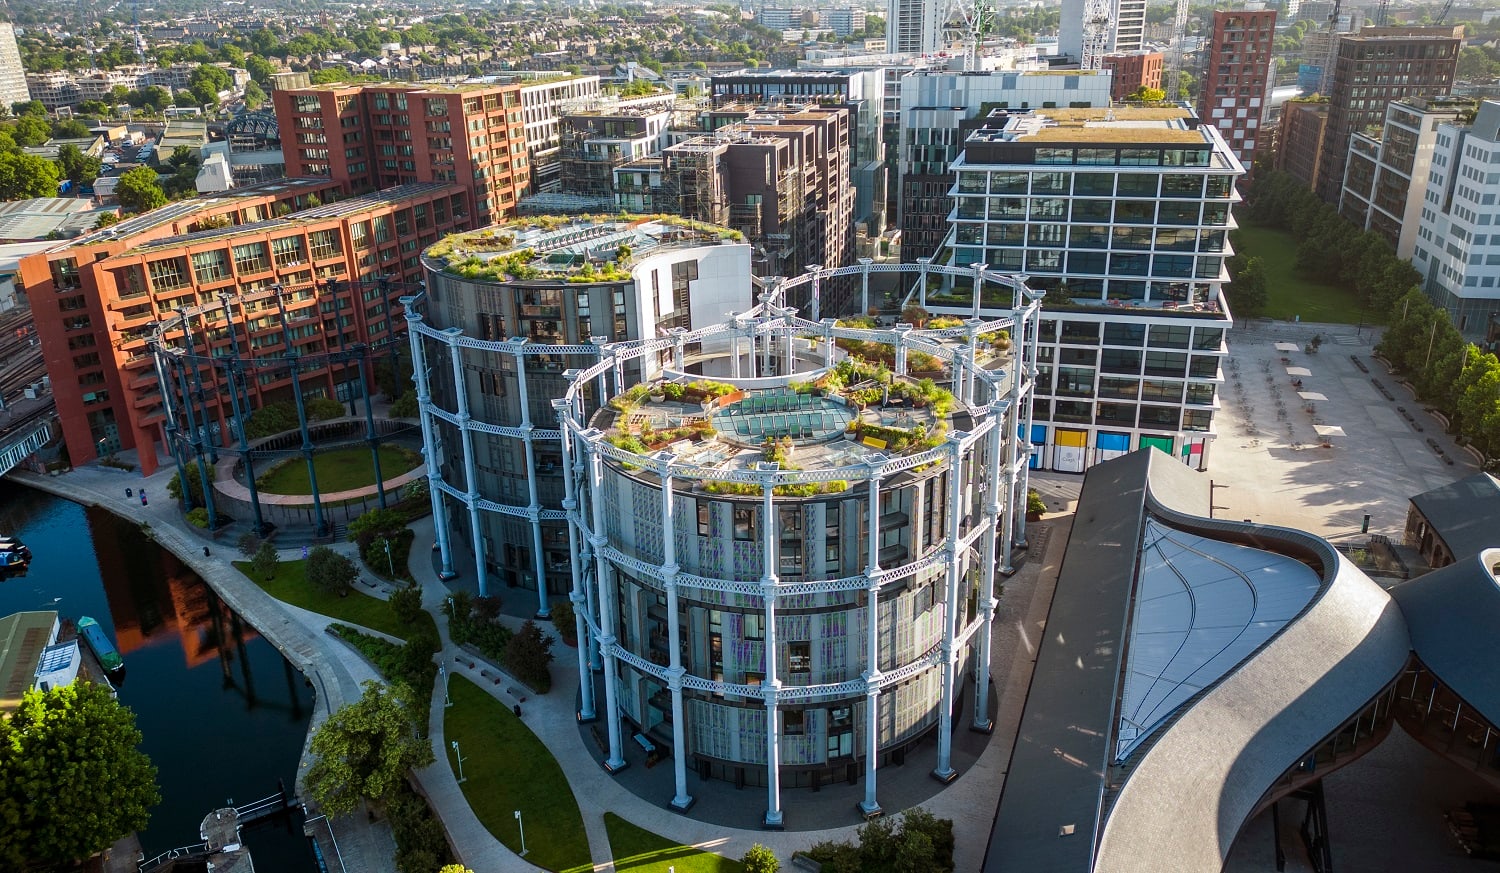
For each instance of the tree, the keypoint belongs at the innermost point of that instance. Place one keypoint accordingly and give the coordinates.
(23, 176)
(920, 841)
(106, 219)
(254, 94)
(139, 191)
(760, 860)
(260, 70)
(72, 778)
(184, 164)
(31, 131)
(406, 604)
(248, 544)
(70, 128)
(77, 167)
(331, 572)
(207, 81)
(1146, 95)
(528, 654)
(33, 108)
(455, 868)
(1248, 292)
(265, 562)
(365, 750)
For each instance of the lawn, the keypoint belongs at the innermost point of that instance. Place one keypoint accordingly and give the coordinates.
(506, 768)
(290, 586)
(338, 470)
(640, 851)
(1292, 294)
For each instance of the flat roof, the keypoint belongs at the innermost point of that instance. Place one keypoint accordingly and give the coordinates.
(23, 638)
(1055, 777)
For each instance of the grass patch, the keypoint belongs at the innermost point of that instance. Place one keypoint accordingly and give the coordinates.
(507, 768)
(290, 586)
(1292, 294)
(338, 470)
(640, 851)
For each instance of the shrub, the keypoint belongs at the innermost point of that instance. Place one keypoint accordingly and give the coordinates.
(459, 608)
(195, 485)
(566, 621)
(265, 561)
(527, 655)
(270, 419)
(406, 604)
(330, 571)
(375, 557)
(760, 860)
(198, 517)
(247, 544)
(421, 845)
(373, 524)
(404, 406)
(323, 409)
(1035, 505)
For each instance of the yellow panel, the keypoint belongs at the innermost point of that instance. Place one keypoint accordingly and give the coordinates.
(1071, 438)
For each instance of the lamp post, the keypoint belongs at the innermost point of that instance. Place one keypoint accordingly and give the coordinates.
(443, 675)
(522, 826)
(1212, 489)
(459, 755)
(390, 562)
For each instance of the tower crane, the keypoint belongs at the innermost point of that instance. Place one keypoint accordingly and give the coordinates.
(1098, 20)
(1172, 83)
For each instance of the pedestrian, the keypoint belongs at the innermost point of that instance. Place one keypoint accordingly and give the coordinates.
(205, 551)
(143, 497)
(129, 493)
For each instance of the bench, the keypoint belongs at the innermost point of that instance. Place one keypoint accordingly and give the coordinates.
(645, 743)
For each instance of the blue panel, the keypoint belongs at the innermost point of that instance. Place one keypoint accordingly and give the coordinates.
(1112, 442)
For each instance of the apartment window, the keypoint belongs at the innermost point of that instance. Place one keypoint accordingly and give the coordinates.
(799, 658)
(168, 273)
(1134, 211)
(1137, 185)
(1091, 210)
(1093, 184)
(287, 251)
(251, 258)
(705, 517)
(754, 626)
(1181, 185)
(744, 523)
(1008, 183)
(210, 266)
(324, 244)
(793, 723)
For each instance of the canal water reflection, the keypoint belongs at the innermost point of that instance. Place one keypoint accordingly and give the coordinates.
(223, 714)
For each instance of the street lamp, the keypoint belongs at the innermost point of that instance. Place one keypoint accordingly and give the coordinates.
(443, 674)
(390, 562)
(1212, 488)
(459, 755)
(522, 826)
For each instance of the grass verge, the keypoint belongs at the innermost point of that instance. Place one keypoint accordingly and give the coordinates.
(338, 470)
(1291, 294)
(290, 586)
(640, 851)
(507, 768)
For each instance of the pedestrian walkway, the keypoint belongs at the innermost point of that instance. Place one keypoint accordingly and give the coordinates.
(336, 672)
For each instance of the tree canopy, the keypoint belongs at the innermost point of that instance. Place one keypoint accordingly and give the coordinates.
(23, 176)
(72, 778)
(330, 571)
(365, 750)
(139, 191)
(77, 167)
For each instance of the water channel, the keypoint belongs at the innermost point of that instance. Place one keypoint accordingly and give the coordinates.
(222, 712)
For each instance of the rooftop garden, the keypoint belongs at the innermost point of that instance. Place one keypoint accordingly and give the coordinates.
(492, 254)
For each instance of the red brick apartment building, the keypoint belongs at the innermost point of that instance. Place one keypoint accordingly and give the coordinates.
(369, 137)
(1132, 70)
(1237, 78)
(94, 298)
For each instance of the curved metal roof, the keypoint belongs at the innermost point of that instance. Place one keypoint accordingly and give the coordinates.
(1453, 615)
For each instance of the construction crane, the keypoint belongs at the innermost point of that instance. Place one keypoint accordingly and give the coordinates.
(978, 21)
(1172, 83)
(1333, 47)
(1382, 13)
(1098, 21)
(1443, 15)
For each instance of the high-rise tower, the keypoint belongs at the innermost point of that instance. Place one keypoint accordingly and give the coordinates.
(12, 75)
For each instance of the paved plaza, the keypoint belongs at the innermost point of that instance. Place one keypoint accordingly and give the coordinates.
(1267, 464)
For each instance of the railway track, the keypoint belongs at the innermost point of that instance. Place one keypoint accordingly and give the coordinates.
(21, 362)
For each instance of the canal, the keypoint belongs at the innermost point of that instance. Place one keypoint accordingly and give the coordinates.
(222, 713)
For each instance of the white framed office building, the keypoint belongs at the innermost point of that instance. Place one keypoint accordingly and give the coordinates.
(790, 623)
(1457, 247)
(1122, 216)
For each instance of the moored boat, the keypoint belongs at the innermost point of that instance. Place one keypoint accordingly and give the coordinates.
(99, 643)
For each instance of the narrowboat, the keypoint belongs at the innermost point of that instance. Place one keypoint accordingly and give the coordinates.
(99, 643)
